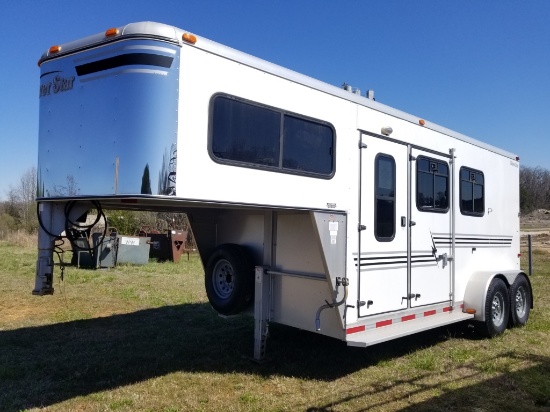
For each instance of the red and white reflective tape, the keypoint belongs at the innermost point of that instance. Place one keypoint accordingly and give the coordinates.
(399, 319)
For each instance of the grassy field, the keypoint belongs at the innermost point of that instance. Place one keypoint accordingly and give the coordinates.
(145, 339)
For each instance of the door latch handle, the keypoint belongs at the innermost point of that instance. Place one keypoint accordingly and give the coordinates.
(444, 260)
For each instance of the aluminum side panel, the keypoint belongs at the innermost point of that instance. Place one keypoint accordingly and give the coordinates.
(108, 120)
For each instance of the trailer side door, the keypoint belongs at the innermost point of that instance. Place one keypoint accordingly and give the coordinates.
(382, 257)
(431, 227)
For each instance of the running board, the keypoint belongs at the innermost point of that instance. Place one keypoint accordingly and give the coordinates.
(397, 330)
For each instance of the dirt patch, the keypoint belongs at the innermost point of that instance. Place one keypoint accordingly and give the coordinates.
(18, 311)
(536, 224)
(537, 220)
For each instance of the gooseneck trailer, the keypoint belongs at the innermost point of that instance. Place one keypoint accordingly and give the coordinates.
(311, 205)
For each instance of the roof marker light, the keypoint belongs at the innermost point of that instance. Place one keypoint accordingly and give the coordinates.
(113, 31)
(55, 49)
(189, 38)
(386, 130)
(422, 122)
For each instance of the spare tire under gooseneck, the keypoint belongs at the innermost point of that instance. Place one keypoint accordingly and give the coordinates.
(229, 279)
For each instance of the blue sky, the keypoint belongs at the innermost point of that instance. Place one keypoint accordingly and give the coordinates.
(481, 68)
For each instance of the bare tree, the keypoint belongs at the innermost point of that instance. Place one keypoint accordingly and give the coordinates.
(21, 200)
(71, 189)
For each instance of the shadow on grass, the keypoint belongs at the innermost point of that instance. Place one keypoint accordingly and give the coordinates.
(44, 365)
(522, 390)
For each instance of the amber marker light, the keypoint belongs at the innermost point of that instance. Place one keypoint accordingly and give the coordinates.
(113, 31)
(470, 311)
(55, 49)
(422, 122)
(189, 38)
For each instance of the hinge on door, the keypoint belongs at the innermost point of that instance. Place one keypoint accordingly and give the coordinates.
(411, 157)
(361, 303)
(361, 227)
(362, 145)
(410, 296)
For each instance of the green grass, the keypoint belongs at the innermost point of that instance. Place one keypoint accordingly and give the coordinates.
(144, 338)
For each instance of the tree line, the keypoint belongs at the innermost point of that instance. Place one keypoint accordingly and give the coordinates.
(18, 211)
(534, 189)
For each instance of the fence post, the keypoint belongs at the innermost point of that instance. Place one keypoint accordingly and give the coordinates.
(530, 255)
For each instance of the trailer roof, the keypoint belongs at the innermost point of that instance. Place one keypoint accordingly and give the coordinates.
(163, 32)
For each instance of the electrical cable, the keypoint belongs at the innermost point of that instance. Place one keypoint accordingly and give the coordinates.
(68, 208)
(73, 231)
(59, 252)
(82, 230)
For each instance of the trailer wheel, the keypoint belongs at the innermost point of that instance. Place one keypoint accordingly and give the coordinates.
(497, 309)
(520, 302)
(229, 279)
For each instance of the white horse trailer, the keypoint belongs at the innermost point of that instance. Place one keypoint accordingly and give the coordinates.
(312, 205)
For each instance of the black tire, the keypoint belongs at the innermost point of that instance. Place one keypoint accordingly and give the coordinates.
(229, 279)
(497, 309)
(520, 302)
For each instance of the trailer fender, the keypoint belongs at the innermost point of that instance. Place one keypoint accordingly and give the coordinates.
(478, 284)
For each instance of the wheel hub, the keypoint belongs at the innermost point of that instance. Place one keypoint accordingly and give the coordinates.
(520, 302)
(497, 309)
(223, 279)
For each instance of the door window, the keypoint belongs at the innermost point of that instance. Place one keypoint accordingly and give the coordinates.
(384, 209)
(432, 185)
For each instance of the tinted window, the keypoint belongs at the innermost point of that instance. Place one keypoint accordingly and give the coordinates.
(258, 136)
(246, 133)
(384, 226)
(432, 185)
(307, 146)
(472, 192)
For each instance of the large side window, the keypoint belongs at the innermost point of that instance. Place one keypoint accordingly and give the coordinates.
(245, 133)
(307, 145)
(432, 185)
(472, 192)
(384, 214)
(252, 135)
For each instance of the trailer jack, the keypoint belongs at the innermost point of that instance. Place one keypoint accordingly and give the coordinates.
(44, 277)
(54, 218)
(339, 281)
